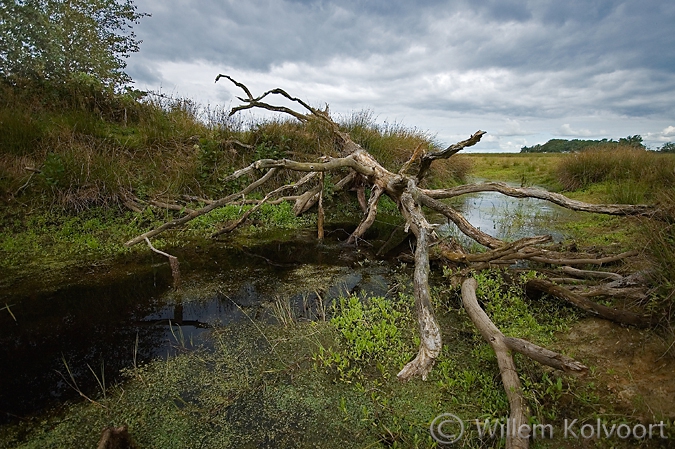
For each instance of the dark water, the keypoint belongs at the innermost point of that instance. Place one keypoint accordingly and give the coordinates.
(102, 323)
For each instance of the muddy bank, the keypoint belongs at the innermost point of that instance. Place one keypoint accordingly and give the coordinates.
(634, 369)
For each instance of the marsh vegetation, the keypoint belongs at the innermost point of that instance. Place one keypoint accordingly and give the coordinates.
(291, 378)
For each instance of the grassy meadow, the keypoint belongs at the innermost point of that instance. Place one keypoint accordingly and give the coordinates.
(68, 163)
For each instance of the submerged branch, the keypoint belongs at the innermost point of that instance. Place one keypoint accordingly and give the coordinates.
(173, 262)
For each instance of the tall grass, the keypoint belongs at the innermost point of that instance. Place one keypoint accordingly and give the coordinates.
(392, 144)
(82, 148)
(660, 246)
(633, 175)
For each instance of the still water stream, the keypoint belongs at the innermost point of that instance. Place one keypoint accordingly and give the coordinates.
(102, 323)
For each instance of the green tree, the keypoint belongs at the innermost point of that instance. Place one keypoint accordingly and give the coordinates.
(59, 41)
(633, 141)
(667, 148)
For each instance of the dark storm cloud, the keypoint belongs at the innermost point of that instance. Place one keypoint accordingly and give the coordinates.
(257, 34)
(550, 59)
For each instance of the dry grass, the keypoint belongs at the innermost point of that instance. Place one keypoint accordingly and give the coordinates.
(617, 163)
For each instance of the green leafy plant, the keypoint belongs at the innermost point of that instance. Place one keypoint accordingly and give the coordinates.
(374, 331)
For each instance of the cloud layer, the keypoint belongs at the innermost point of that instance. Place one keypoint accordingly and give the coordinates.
(524, 70)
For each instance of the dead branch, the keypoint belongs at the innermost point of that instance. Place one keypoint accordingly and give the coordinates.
(462, 223)
(588, 261)
(177, 207)
(495, 254)
(369, 219)
(545, 356)
(588, 274)
(308, 199)
(419, 150)
(633, 293)
(232, 226)
(532, 192)
(428, 158)
(536, 286)
(320, 218)
(430, 333)
(221, 202)
(332, 164)
(520, 413)
(173, 263)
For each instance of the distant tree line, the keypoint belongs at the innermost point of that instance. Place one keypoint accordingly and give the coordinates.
(570, 146)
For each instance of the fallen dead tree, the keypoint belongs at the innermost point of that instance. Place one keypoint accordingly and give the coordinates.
(365, 172)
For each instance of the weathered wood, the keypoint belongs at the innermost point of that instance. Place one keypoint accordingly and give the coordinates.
(520, 412)
(320, 214)
(554, 259)
(369, 219)
(235, 224)
(495, 254)
(545, 356)
(221, 202)
(462, 223)
(589, 274)
(532, 192)
(331, 164)
(173, 263)
(428, 158)
(308, 199)
(430, 333)
(535, 286)
(633, 293)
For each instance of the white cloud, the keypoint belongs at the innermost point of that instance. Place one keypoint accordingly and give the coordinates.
(516, 68)
(566, 130)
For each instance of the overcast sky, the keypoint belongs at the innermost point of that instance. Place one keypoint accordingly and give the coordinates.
(524, 71)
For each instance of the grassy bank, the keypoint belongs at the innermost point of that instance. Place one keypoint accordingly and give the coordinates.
(71, 158)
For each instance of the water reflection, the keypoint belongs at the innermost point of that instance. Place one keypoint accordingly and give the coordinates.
(137, 317)
(505, 217)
